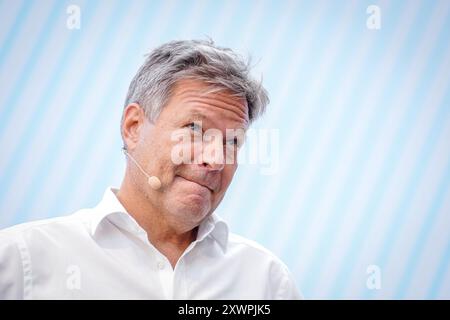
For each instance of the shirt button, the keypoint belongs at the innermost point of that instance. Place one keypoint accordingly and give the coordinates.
(160, 265)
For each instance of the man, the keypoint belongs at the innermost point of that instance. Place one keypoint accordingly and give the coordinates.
(157, 237)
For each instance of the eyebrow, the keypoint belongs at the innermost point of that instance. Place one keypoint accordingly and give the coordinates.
(197, 115)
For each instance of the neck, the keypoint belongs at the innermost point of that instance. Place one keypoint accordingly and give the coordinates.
(167, 238)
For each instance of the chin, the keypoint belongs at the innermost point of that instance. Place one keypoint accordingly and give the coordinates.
(190, 211)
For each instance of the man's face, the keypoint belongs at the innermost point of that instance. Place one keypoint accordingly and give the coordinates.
(190, 190)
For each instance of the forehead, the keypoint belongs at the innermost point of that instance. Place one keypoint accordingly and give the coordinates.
(193, 100)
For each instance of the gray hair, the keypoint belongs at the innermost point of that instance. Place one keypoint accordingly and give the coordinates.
(219, 67)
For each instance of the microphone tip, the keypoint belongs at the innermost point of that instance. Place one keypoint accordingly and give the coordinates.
(154, 182)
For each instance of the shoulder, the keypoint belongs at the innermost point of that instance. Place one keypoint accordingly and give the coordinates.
(257, 258)
(256, 253)
(45, 227)
(21, 243)
(238, 242)
(248, 246)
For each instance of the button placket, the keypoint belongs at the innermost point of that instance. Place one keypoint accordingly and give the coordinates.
(180, 285)
(166, 275)
(160, 265)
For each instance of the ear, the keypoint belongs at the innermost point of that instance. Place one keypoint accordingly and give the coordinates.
(133, 119)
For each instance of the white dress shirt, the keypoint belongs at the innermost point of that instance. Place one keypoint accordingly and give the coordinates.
(102, 253)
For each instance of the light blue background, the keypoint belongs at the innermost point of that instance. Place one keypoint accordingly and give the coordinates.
(363, 117)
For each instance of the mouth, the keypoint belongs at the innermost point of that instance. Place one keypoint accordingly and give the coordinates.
(198, 183)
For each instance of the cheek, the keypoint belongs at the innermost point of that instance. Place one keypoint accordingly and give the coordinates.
(227, 177)
(159, 155)
(167, 167)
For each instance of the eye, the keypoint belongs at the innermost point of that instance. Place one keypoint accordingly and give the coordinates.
(232, 142)
(194, 127)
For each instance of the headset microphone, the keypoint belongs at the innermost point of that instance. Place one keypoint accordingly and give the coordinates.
(153, 181)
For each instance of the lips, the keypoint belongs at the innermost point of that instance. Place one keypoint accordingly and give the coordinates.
(209, 186)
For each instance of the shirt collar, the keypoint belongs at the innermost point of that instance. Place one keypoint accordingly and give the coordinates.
(111, 208)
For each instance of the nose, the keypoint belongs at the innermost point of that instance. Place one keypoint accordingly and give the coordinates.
(212, 166)
(213, 156)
